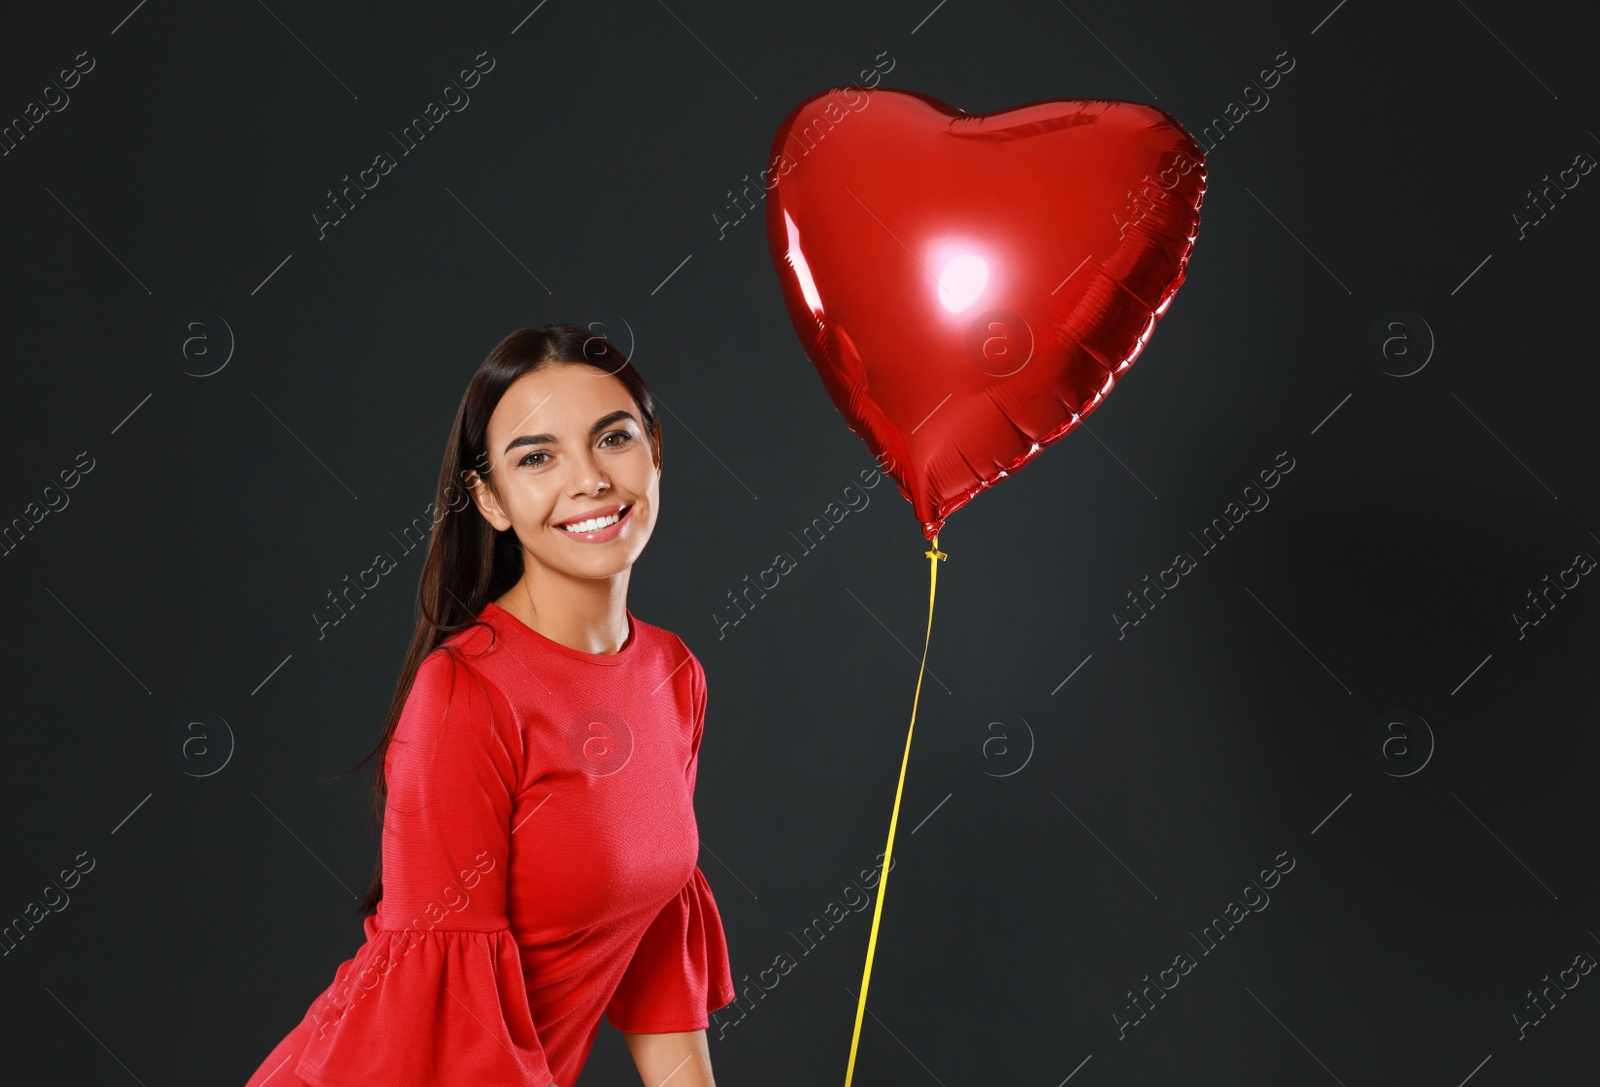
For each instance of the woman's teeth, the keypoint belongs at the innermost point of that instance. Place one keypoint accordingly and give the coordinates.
(594, 523)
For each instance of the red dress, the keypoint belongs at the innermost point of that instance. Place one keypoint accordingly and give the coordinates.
(539, 870)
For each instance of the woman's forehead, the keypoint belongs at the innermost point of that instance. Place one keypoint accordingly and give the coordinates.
(562, 401)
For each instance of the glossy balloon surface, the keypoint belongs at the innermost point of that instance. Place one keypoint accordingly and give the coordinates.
(969, 287)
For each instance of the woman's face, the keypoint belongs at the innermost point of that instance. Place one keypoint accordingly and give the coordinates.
(567, 445)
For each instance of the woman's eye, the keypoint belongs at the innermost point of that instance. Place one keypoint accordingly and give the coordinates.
(626, 437)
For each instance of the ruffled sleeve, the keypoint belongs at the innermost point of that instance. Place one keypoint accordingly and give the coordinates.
(436, 996)
(679, 974)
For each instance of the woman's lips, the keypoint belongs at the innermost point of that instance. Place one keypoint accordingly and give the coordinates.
(598, 511)
(600, 535)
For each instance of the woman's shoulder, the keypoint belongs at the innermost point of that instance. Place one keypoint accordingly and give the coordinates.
(673, 661)
(448, 666)
(469, 650)
(477, 636)
(652, 633)
(669, 649)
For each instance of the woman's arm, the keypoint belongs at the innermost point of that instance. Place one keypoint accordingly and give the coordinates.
(683, 1058)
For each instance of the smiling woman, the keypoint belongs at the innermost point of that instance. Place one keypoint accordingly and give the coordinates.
(595, 524)
(529, 681)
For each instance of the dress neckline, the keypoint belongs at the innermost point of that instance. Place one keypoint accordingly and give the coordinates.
(507, 621)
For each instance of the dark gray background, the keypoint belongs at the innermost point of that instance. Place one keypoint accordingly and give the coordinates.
(1175, 764)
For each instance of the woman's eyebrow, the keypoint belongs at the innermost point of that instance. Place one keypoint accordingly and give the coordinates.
(550, 439)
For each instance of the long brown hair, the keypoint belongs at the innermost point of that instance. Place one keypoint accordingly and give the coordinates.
(468, 562)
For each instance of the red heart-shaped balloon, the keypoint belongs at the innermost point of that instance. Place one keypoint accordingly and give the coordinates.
(969, 287)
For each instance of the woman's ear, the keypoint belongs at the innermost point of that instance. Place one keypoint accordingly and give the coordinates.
(487, 503)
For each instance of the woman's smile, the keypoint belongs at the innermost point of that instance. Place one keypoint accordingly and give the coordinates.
(597, 526)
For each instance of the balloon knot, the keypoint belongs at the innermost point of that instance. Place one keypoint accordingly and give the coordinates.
(935, 553)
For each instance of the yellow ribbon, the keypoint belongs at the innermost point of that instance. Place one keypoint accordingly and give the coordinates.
(934, 558)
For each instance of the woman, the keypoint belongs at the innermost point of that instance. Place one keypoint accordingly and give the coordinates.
(537, 768)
